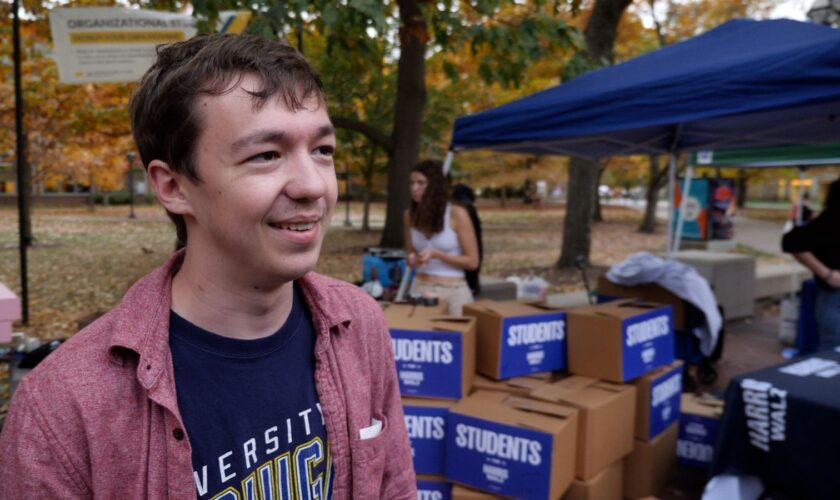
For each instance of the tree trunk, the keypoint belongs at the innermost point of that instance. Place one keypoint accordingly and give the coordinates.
(577, 227)
(600, 36)
(366, 214)
(651, 197)
(408, 115)
(597, 216)
(602, 27)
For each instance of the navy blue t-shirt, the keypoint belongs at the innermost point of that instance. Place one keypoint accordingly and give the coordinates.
(251, 411)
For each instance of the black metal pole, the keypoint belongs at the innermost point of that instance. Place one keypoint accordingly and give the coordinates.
(20, 152)
(130, 157)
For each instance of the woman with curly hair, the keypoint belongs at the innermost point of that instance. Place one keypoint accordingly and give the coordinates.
(440, 240)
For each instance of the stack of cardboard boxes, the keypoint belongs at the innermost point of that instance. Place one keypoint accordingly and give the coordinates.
(563, 404)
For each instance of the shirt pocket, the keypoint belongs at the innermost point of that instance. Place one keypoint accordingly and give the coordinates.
(369, 462)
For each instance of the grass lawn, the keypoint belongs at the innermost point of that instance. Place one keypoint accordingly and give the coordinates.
(83, 262)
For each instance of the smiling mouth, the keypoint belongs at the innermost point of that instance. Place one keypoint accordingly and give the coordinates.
(300, 226)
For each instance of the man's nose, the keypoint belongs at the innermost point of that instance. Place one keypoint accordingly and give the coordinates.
(309, 179)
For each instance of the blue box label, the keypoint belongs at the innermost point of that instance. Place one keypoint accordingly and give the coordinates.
(696, 441)
(497, 457)
(533, 344)
(428, 363)
(427, 431)
(433, 490)
(647, 342)
(665, 392)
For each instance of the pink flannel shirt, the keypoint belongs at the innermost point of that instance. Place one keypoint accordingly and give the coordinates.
(99, 418)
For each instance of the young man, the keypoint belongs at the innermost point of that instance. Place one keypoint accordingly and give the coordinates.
(232, 371)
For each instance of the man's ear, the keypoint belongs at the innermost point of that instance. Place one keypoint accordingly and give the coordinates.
(168, 187)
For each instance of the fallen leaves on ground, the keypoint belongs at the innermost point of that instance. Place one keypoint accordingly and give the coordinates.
(83, 262)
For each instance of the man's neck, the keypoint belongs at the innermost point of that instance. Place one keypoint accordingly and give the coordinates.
(227, 307)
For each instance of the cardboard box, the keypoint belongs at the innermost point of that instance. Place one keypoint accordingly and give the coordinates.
(699, 423)
(463, 493)
(658, 400)
(605, 419)
(435, 355)
(649, 292)
(621, 340)
(649, 468)
(406, 309)
(425, 420)
(511, 446)
(520, 386)
(433, 488)
(606, 485)
(518, 338)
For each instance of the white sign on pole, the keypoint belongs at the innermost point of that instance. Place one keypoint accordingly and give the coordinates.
(110, 44)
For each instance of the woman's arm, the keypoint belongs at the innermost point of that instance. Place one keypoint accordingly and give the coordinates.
(411, 256)
(809, 260)
(462, 225)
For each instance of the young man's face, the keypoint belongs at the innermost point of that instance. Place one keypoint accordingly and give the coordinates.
(268, 185)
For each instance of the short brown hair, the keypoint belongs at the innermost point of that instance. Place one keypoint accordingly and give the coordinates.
(165, 124)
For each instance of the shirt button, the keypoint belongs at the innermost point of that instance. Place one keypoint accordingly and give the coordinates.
(178, 433)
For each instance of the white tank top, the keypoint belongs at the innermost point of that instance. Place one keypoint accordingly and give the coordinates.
(445, 241)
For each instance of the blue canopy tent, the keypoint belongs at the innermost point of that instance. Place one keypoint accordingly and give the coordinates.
(743, 84)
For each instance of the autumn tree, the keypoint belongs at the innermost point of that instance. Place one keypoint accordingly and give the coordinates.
(76, 134)
(508, 34)
(672, 22)
(600, 34)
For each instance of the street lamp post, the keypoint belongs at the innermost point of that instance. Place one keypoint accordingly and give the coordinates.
(130, 157)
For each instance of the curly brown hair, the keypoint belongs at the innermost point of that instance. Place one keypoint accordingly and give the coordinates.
(427, 216)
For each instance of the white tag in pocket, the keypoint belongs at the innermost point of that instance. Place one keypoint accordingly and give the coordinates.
(371, 432)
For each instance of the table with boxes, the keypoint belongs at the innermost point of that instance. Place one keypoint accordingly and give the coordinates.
(532, 401)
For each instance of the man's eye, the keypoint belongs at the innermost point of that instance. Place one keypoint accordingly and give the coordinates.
(266, 156)
(325, 150)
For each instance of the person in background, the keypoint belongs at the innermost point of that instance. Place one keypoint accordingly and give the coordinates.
(817, 246)
(464, 196)
(439, 237)
(807, 211)
(233, 370)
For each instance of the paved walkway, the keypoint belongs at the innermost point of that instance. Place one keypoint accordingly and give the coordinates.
(764, 236)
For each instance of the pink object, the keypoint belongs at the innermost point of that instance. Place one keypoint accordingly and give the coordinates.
(9, 306)
(5, 332)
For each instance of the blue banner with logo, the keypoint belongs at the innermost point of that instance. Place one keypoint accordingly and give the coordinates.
(665, 392)
(426, 427)
(496, 457)
(533, 344)
(433, 490)
(696, 441)
(429, 363)
(647, 342)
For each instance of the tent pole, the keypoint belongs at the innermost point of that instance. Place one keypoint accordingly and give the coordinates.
(681, 218)
(447, 162)
(672, 174)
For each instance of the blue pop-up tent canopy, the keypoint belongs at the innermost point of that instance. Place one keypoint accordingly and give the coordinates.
(743, 84)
